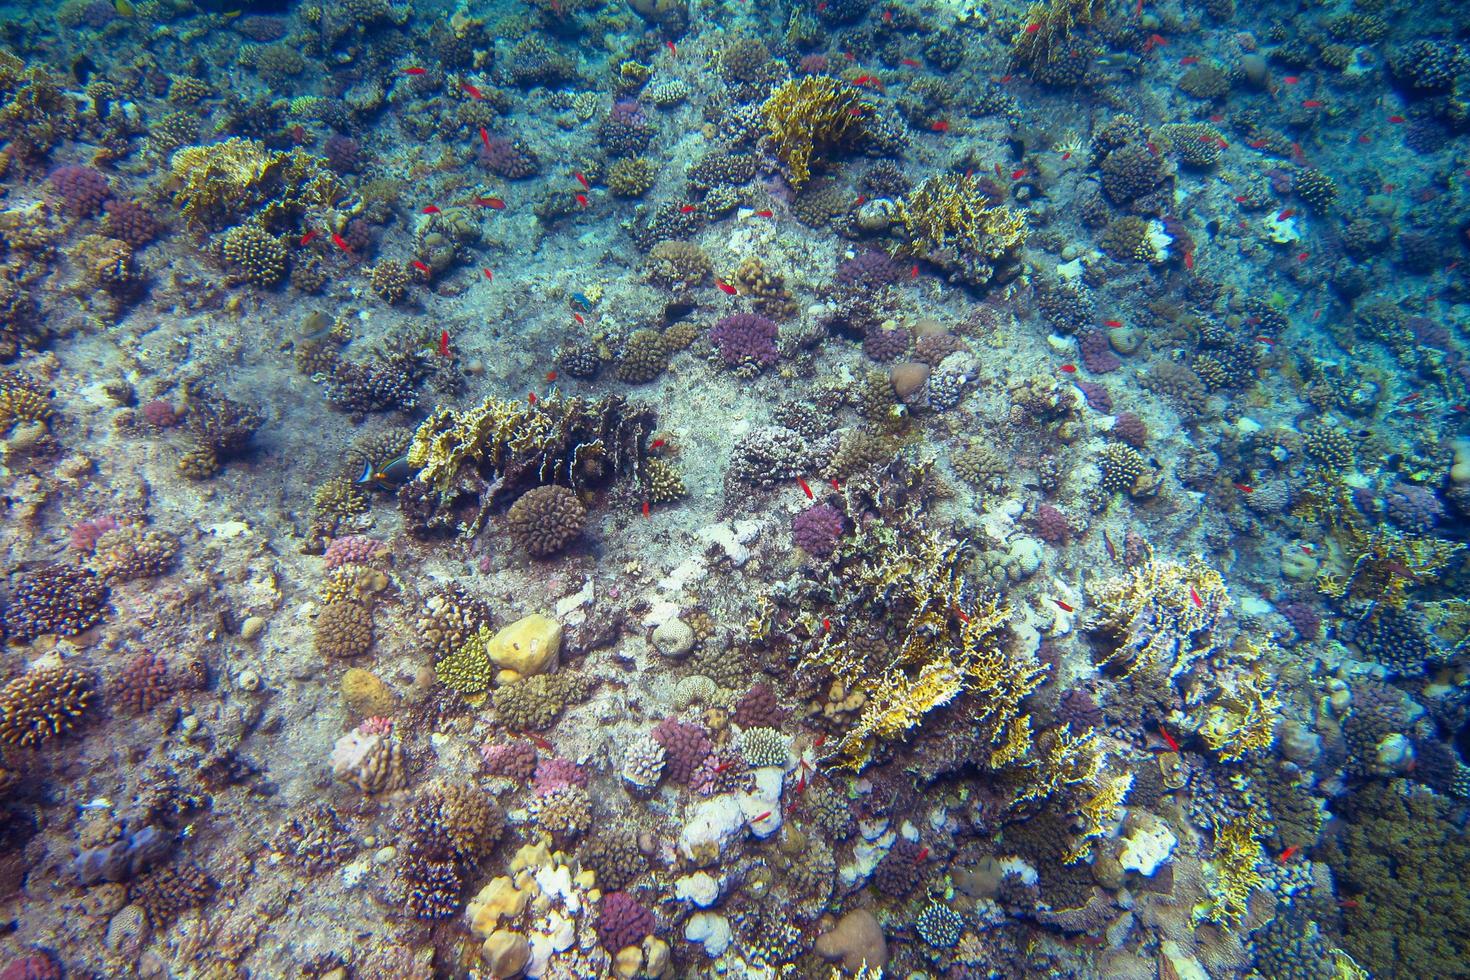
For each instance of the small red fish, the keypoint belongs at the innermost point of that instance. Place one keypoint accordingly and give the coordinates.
(1189, 260)
(765, 213)
(494, 203)
(861, 200)
(1138, 8)
(414, 71)
(1286, 854)
(914, 272)
(1032, 28)
(1395, 119)
(1364, 138)
(854, 112)
(1301, 257)
(673, 51)
(763, 816)
(1063, 606)
(488, 274)
(471, 91)
(1312, 103)
(1018, 174)
(959, 613)
(821, 6)
(1194, 598)
(833, 481)
(725, 287)
(550, 377)
(826, 625)
(306, 238)
(685, 208)
(821, 741)
(805, 488)
(582, 199)
(1189, 59)
(1156, 41)
(922, 856)
(541, 743)
(801, 784)
(337, 241)
(1291, 79)
(1168, 739)
(1113, 324)
(431, 209)
(909, 61)
(1286, 214)
(443, 343)
(1296, 152)
(657, 444)
(581, 179)
(1108, 543)
(1068, 368)
(942, 126)
(1241, 199)
(849, 56)
(421, 267)
(1266, 340)
(531, 397)
(1410, 399)
(578, 317)
(646, 508)
(1244, 488)
(887, 16)
(1067, 155)
(1256, 144)
(1347, 903)
(485, 138)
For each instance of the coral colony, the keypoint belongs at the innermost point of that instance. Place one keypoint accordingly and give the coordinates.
(642, 489)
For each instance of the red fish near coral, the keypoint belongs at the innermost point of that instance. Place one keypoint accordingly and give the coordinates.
(685, 208)
(488, 274)
(582, 199)
(431, 209)
(942, 126)
(1063, 606)
(1168, 739)
(494, 203)
(444, 343)
(765, 213)
(582, 180)
(306, 238)
(471, 91)
(1194, 598)
(805, 488)
(421, 267)
(414, 71)
(337, 241)
(485, 138)
(725, 287)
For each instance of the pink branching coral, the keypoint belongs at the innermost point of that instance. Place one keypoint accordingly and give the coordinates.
(354, 549)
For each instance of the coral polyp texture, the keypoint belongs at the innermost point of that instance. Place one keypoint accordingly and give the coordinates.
(706, 491)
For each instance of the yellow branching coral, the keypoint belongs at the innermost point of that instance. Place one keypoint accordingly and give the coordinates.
(1242, 720)
(896, 703)
(449, 439)
(1048, 24)
(217, 184)
(949, 212)
(1160, 613)
(1230, 873)
(1061, 760)
(1099, 814)
(22, 399)
(1383, 563)
(809, 116)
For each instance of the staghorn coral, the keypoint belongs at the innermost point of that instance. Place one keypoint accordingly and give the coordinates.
(807, 118)
(42, 704)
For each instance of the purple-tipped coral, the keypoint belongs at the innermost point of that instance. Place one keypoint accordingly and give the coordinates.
(1097, 356)
(355, 549)
(554, 773)
(507, 158)
(759, 708)
(1131, 429)
(1097, 395)
(1413, 508)
(868, 269)
(685, 747)
(510, 760)
(745, 338)
(885, 344)
(82, 189)
(130, 222)
(343, 153)
(817, 530)
(1051, 525)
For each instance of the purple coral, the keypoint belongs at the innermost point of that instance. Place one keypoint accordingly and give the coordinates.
(1051, 525)
(1097, 355)
(1079, 710)
(817, 529)
(1303, 618)
(869, 269)
(759, 708)
(343, 153)
(1413, 508)
(129, 221)
(885, 344)
(622, 922)
(82, 189)
(685, 747)
(745, 338)
(355, 549)
(1097, 395)
(1131, 429)
(507, 158)
(555, 773)
(509, 760)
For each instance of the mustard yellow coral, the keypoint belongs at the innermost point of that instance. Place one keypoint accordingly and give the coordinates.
(809, 116)
(1241, 721)
(1047, 25)
(951, 212)
(218, 183)
(1230, 873)
(22, 400)
(1099, 814)
(1160, 613)
(448, 439)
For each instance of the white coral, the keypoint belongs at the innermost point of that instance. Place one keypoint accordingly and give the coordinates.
(643, 763)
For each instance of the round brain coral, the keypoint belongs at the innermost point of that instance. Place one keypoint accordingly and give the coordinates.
(547, 519)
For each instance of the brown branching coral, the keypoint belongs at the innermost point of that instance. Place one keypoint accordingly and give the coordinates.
(809, 117)
(43, 704)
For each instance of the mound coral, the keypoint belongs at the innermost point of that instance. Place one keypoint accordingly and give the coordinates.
(547, 519)
(42, 704)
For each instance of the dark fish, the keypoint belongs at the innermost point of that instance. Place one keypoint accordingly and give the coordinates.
(390, 476)
(83, 68)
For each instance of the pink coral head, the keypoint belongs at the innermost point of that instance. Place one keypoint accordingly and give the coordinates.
(376, 725)
(84, 536)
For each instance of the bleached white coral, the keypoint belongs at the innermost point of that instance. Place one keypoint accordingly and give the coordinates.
(643, 763)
